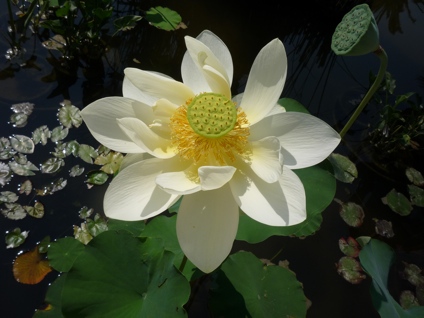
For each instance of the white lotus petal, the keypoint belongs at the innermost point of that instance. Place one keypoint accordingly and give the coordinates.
(202, 70)
(146, 139)
(207, 225)
(132, 158)
(281, 203)
(101, 119)
(266, 159)
(133, 193)
(305, 140)
(158, 86)
(177, 182)
(266, 81)
(214, 177)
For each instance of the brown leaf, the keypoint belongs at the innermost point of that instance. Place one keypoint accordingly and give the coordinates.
(30, 268)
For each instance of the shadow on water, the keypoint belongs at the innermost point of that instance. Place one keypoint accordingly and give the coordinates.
(328, 86)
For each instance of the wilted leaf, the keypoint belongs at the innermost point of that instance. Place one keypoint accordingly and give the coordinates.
(350, 269)
(96, 177)
(87, 153)
(8, 196)
(5, 174)
(69, 116)
(25, 187)
(344, 169)
(384, 228)
(397, 202)
(163, 18)
(416, 194)
(22, 144)
(85, 212)
(76, 171)
(349, 247)
(415, 176)
(52, 165)
(59, 133)
(36, 211)
(41, 135)
(14, 211)
(352, 213)
(15, 238)
(30, 268)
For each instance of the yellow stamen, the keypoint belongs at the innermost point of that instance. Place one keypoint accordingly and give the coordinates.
(209, 129)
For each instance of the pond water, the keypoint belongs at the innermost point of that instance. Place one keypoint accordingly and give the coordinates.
(328, 85)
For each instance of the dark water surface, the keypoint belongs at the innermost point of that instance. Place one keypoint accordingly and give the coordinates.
(327, 85)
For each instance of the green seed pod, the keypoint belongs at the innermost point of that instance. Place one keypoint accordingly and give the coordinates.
(357, 33)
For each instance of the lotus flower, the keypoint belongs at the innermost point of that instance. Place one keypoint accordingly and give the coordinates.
(192, 139)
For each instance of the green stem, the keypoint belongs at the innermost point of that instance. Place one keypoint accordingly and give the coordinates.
(380, 76)
(183, 263)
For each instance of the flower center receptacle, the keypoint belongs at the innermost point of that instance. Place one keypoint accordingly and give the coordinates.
(211, 115)
(210, 130)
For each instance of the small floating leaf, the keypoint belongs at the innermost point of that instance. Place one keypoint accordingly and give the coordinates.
(97, 177)
(87, 153)
(52, 165)
(82, 234)
(22, 144)
(413, 274)
(25, 108)
(163, 18)
(15, 238)
(352, 213)
(41, 135)
(349, 247)
(344, 169)
(97, 225)
(416, 195)
(57, 42)
(5, 174)
(415, 176)
(36, 211)
(56, 185)
(397, 202)
(23, 169)
(59, 133)
(8, 196)
(408, 300)
(76, 171)
(6, 150)
(19, 120)
(69, 116)
(110, 163)
(85, 212)
(25, 187)
(350, 269)
(14, 211)
(30, 268)
(384, 228)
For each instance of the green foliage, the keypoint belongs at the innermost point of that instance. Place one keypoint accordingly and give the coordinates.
(344, 169)
(63, 252)
(398, 202)
(15, 238)
(376, 258)
(268, 290)
(145, 284)
(163, 18)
